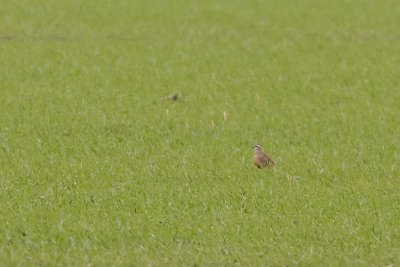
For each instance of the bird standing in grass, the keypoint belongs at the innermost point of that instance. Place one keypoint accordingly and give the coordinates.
(260, 159)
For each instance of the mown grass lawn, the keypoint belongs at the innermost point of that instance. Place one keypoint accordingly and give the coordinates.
(98, 168)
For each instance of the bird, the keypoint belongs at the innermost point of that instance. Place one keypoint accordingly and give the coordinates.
(260, 159)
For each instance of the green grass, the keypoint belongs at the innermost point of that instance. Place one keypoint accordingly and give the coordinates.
(97, 168)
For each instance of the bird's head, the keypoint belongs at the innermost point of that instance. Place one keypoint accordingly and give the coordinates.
(257, 147)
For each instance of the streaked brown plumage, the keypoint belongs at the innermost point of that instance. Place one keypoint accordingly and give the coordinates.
(260, 159)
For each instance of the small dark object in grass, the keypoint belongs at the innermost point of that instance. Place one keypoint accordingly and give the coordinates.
(173, 97)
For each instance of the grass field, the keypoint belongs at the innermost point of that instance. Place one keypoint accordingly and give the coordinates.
(98, 168)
